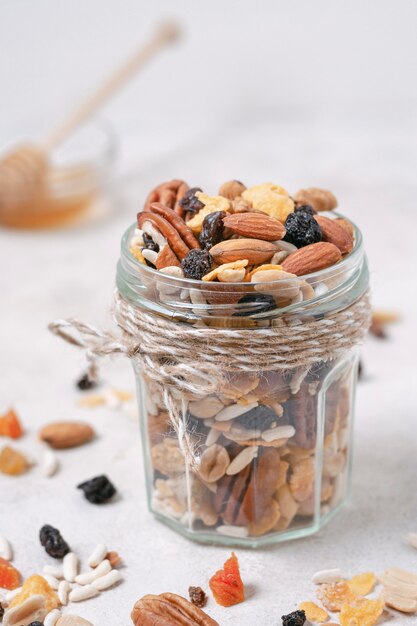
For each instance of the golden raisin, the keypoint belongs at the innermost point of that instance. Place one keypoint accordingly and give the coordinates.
(334, 595)
(33, 586)
(362, 612)
(12, 462)
(314, 613)
(362, 584)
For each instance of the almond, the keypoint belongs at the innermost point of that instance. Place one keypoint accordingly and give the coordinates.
(312, 258)
(66, 434)
(254, 250)
(347, 225)
(257, 225)
(335, 233)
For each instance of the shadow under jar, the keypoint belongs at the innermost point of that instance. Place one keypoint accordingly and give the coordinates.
(271, 444)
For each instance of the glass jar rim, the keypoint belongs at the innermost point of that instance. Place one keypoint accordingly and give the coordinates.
(188, 300)
(352, 258)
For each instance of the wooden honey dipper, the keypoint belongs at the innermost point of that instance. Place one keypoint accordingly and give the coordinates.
(23, 171)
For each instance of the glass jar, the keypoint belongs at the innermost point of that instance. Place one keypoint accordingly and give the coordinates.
(272, 447)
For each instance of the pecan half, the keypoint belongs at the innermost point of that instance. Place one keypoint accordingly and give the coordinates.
(169, 193)
(176, 243)
(168, 609)
(302, 411)
(247, 498)
(176, 221)
(166, 258)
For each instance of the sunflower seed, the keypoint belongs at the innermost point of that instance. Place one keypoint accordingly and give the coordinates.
(5, 549)
(110, 579)
(327, 576)
(83, 593)
(98, 555)
(52, 617)
(243, 459)
(234, 410)
(70, 566)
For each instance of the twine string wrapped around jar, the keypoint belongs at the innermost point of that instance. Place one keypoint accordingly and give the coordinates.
(184, 360)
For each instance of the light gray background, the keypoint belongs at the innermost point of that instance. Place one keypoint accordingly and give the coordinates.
(301, 93)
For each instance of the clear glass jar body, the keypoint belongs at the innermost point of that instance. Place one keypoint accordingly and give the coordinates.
(273, 448)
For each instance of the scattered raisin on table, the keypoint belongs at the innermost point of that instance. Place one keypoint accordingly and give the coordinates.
(263, 302)
(306, 208)
(98, 490)
(212, 229)
(149, 243)
(260, 418)
(197, 596)
(302, 229)
(190, 203)
(297, 618)
(197, 264)
(53, 542)
(36, 624)
(85, 383)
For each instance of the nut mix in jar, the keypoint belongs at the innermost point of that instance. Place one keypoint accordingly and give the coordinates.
(256, 301)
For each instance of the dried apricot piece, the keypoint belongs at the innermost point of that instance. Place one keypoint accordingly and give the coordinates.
(314, 613)
(10, 425)
(362, 584)
(36, 586)
(334, 595)
(9, 575)
(226, 584)
(361, 612)
(12, 462)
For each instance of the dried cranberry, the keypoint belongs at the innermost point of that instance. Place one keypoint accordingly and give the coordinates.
(197, 264)
(306, 208)
(190, 203)
(258, 303)
(260, 418)
(297, 618)
(149, 243)
(302, 229)
(53, 542)
(212, 229)
(98, 490)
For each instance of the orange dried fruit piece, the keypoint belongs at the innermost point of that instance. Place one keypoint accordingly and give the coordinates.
(361, 612)
(37, 586)
(334, 595)
(10, 425)
(12, 462)
(226, 584)
(9, 575)
(362, 584)
(314, 613)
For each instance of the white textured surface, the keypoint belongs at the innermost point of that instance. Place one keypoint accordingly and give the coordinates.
(367, 156)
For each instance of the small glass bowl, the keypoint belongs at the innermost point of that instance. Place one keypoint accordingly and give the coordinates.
(73, 189)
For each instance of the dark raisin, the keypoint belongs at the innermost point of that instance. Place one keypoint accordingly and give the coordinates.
(306, 208)
(1, 611)
(258, 303)
(212, 229)
(190, 203)
(297, 618)
(85, 383)
(98, 490)
(149, 243)
(53, 542)
(197, 596)
(197, 264)
(36, 624)
(260, 418)
(302, 229)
